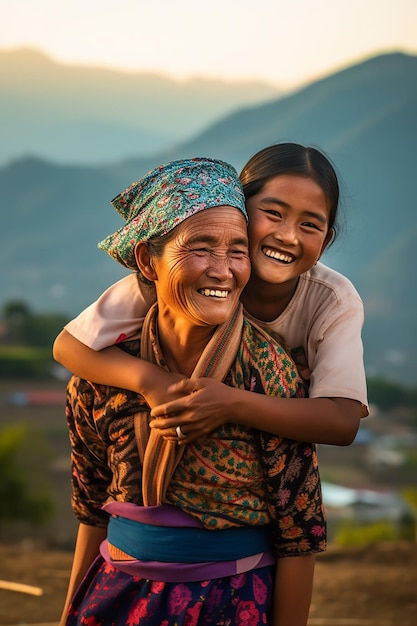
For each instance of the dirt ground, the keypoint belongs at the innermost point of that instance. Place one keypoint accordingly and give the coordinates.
(370, 586)
(374, 585)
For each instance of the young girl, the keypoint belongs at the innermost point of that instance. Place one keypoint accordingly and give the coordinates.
(292, 197)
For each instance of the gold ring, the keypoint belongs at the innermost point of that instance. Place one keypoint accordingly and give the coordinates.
(179, 432)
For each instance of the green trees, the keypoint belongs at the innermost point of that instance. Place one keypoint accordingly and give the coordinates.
(388, 395)
(23, 467)
(26, 341)
(22, 327)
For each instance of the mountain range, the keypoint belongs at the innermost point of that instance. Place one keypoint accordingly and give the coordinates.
(84, 115)
(364, 118)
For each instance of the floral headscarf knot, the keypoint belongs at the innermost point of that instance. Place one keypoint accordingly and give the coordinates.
(167, 196)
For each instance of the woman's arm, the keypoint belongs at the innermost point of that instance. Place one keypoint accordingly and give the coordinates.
(86, 550)
(292, 590)
(320, 420)
(112, 366)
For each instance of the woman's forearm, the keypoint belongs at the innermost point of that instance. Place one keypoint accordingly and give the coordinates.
(86, 550)
(293, 590)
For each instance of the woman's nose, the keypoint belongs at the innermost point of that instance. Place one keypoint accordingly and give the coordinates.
(220, 267)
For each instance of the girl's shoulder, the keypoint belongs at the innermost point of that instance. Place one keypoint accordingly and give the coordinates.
(115, 316)
(324, 278)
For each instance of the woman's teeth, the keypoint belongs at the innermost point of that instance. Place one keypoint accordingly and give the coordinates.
(214, 293)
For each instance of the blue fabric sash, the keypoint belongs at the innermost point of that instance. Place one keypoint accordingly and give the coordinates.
(146, 542)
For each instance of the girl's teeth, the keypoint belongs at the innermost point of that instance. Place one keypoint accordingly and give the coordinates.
(278, 256)
(216, 293)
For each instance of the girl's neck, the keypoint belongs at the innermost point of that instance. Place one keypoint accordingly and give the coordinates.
(266, 301)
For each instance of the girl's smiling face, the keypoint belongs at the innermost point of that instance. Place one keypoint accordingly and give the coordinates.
(288, 228)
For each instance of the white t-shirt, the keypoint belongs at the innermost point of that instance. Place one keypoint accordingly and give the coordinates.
(321, 326)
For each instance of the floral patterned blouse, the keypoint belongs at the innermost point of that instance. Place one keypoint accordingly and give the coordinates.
(234, 477)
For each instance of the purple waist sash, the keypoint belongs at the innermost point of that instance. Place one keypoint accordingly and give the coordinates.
(166, 515)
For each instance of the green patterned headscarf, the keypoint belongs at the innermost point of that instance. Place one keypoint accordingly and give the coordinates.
(167, 196)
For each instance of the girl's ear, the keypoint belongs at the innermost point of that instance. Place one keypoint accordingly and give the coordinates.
(328, 240)
(144, 261)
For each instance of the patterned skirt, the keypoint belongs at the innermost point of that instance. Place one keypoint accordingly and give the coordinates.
(109, 597)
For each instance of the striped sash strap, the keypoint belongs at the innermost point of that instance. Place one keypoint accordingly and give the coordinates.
(161, 457)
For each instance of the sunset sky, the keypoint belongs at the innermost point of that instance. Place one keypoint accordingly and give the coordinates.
(285, 43)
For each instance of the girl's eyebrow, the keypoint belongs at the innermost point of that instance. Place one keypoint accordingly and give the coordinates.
(276, 201)
(318, 216)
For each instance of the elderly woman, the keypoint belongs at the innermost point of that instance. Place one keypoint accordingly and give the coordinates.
(170, 534)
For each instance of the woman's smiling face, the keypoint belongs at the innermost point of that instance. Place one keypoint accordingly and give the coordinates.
(288, 228)
(203, 269)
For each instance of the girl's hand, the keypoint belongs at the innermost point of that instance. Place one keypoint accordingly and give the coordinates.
(204, 405)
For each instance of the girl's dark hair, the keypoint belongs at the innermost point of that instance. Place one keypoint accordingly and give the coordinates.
(292, 158)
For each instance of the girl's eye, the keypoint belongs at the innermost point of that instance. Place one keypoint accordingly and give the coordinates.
(273, 212)
(311, 225)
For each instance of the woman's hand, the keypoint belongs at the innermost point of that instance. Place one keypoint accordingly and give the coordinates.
(160, 387)
(204, 405)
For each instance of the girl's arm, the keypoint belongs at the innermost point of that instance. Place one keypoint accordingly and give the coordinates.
(337, 388)
(320, 420)
(112, 366)
(87, 547)
(87, 348)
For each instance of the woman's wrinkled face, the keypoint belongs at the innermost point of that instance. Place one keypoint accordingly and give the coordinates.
(203, 269)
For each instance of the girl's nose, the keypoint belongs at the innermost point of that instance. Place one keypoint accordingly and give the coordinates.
(287, 233)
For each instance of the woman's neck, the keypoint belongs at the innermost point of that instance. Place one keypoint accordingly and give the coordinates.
(266, 301)
(182, 345)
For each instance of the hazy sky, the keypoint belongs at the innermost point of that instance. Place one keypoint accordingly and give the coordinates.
(286, 43)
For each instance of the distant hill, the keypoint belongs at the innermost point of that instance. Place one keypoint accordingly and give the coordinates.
(72, 114)
(365, 118)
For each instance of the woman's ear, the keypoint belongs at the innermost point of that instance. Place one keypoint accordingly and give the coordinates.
(144, 261)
